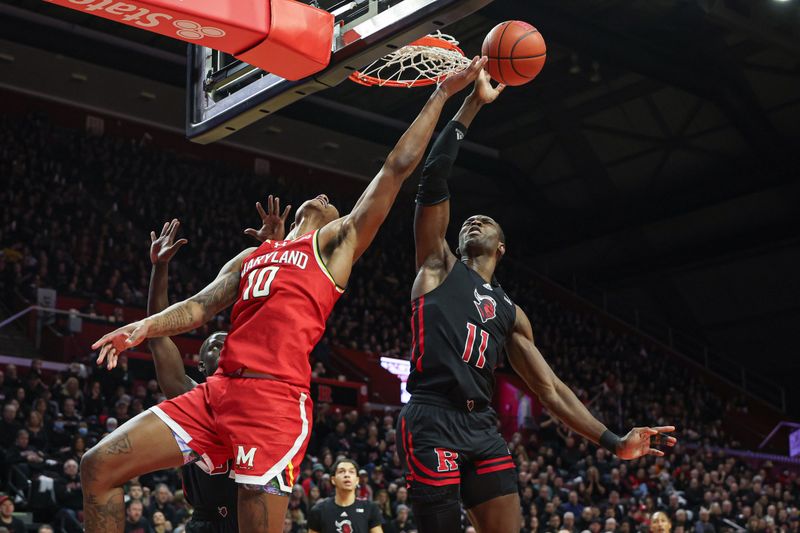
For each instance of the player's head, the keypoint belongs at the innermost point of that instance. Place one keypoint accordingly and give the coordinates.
(316, 212)
(345, 475)
(660, 523)
(209, 353)
(481, 235)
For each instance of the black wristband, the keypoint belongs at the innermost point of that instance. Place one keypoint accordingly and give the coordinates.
(610, 441)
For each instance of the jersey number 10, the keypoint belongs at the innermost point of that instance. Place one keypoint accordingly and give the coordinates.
(257, 285)
(472, 334)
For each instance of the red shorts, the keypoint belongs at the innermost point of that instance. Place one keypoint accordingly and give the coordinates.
(262, 424)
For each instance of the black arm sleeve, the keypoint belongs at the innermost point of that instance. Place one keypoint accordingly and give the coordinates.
(433, 184)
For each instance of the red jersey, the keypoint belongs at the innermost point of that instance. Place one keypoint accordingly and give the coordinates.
(285, 296)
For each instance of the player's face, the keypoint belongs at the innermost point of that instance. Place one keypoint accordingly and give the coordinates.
(346, 476)
(480, 234)
(319, 206)
(660, 523)
(209, 353)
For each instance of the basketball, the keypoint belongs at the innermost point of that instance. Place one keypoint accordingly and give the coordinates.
(516, 52)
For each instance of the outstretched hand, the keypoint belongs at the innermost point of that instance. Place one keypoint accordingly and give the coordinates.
(457, 81)
(641, 441)
(273, 224)
(484, 92)
(163, 247)
(114, 343)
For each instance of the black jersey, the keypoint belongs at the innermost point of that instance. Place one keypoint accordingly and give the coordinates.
(459, 333)
(327, 517)
(212, 495)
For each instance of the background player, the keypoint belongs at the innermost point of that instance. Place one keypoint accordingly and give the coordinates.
(283, 293)
(461, 322)
(343, 512)
(212, 494)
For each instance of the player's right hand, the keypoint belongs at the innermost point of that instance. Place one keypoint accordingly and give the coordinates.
(114, 343)
(457, 81)
(483, 91)
(273, 223)
(163, 247)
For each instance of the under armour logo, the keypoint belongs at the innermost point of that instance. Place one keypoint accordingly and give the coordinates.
(189, 29)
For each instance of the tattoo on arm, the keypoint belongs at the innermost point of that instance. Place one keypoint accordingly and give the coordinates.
(218, 295)
(105, 517)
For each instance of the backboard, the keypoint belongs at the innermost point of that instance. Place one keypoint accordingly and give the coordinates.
(225, 94)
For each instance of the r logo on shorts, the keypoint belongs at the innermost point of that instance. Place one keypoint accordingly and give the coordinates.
(446, 460)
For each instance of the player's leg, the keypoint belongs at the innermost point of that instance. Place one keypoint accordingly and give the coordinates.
(498, 515)
(432, 468)
(269, 424)
(261, 512)
(141, 445)
(489, 482)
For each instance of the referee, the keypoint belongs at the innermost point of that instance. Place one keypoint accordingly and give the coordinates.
(343, 513)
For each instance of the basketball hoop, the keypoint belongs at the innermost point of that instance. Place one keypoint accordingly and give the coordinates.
(424, 62)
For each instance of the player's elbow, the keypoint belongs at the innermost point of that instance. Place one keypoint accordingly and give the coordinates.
(548, 393)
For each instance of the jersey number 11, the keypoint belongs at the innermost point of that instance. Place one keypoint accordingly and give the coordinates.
(472, 334)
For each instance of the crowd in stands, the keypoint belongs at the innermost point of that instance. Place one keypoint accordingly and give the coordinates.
(77, 217)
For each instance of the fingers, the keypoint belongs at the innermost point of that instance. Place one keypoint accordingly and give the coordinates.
(113, 357)
(250, 231)
(664, 429)
(164, 228)
(103, 354)
(135, 337)
(173, 229)
(103, 340)
(653, 451)
(152, 236)
(500, 87)
(177, 244)
(276, 205)
(285, 214)
(261, 212)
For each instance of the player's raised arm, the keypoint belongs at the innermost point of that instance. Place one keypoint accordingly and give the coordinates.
(432, 214)
(561, 402)
(171, 375)
(178, 318)
(361, 225)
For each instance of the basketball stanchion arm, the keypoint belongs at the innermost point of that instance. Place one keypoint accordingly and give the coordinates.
(285, 37)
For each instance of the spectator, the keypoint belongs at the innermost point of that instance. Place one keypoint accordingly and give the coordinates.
(403, 522)
(9, 425)
(69, 497)
(134, 521)
(7, 520)
(162, 503)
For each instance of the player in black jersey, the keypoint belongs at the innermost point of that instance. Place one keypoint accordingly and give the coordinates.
(343, 513)
(462, 321)
(209, 489)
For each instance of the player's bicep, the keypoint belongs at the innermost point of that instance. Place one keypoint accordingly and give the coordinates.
(376, 529)
(222, 292)
(527, 360)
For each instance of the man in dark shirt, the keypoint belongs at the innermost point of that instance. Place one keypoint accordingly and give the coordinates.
(14, 525)
(134, 521)
(69, 497)
(343, 512)
(9, 425)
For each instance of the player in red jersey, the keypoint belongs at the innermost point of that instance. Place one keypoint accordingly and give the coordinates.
(255, 409)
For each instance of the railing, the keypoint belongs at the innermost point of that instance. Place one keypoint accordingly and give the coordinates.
(683, 345)
(727, 369)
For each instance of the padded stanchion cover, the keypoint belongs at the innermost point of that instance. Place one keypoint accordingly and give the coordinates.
(299, 41)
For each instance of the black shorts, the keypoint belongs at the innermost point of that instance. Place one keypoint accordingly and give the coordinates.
(447, 451)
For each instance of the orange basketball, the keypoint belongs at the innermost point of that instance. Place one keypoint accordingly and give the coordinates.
(516, 52)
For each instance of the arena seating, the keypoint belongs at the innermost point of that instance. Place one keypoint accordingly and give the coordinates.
(61, 187)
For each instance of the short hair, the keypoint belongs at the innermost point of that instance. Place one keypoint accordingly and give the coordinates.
(344, 460)
(44, 528)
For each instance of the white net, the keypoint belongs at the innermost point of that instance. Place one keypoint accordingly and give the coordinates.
(415, 64)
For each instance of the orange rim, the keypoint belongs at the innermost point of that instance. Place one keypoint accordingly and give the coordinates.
(427, 41)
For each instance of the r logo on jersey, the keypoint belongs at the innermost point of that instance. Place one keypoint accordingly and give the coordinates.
(486, 306)
(345, 526)
(446, 460)
(244, 459)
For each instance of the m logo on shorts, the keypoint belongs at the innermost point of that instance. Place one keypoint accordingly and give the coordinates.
(446, 459)
(244, 460)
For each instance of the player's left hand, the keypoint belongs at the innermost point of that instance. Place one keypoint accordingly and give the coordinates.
(273, 224)
(642, 441)
(163, 247)
(483, 91)
(114, 343)
(456, 81)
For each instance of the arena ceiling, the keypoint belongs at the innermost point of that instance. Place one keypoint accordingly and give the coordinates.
(656, 155)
